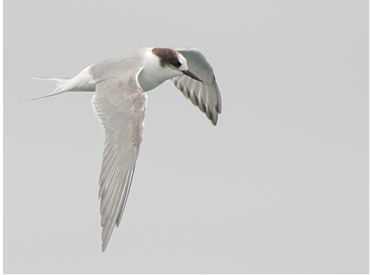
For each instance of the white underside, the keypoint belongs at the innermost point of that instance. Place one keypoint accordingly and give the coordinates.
(121, 106)
(82, 82)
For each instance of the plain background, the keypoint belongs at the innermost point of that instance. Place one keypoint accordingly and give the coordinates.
(280, 185)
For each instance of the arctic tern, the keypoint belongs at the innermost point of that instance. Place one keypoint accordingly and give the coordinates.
(120, 83)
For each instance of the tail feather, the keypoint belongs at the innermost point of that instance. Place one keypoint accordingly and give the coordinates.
(50, 78)
(49, 95)
(83, 82)
(61, 83)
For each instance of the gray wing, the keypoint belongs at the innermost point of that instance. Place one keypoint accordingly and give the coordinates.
(120, 104)
(205, 95)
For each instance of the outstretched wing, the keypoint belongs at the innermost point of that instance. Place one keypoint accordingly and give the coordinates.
(204, 95)
(120, 104)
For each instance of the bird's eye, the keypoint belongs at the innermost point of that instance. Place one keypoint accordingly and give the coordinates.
(177, 64)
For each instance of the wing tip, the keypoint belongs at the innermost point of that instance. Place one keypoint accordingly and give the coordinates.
(104, 245)
(214, 120)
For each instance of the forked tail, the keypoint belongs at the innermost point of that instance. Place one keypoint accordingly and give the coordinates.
(61, 83)
(83, 82)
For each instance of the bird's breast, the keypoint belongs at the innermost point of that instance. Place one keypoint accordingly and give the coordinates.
(149, 81)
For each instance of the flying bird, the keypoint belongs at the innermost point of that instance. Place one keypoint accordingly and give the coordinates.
(120, 83)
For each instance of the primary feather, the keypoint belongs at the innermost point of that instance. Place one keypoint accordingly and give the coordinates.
(120, 103)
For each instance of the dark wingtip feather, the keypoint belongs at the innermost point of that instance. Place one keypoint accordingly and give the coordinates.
(202, 105)
(214, 120)
(104, 245)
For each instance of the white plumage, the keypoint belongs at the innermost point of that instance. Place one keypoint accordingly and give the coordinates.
(120, 83)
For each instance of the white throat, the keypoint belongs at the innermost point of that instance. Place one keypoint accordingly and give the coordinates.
(153, 74)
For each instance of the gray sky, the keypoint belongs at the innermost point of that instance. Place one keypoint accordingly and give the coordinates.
(280, 185)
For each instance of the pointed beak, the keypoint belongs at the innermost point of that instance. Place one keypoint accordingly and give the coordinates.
(192, 75)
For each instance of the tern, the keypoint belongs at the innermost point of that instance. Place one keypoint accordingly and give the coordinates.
(120, 83)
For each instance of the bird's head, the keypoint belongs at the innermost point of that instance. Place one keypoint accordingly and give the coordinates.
(171, 59)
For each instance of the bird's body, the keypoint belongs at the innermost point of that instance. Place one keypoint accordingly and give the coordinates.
(120, 83)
